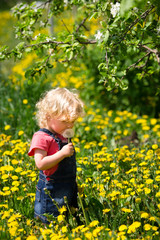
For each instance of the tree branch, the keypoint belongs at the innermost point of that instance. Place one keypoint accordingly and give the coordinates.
(65, 26)
(143, 16)
(81, 24)
(139, 60)
(106, 58)
(47, 42)
(155, 51)
(86, 42)
(134, 64)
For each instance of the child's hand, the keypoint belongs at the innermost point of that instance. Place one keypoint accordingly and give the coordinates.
(68, 150)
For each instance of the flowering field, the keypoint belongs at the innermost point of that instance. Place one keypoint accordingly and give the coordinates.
(118, 159)
(119, 185)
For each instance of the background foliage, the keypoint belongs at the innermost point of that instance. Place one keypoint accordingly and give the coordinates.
(118, 42)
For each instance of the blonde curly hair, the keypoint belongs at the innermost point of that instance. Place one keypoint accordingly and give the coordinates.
(59, 103)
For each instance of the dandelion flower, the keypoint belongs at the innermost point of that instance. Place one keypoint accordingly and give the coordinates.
(93, 223)
(25, 101)
(60, 218)
(122, 228)
(154, 146)
(7, 127)
(144, 215)
(31, 237)
(62, 209)
(147, 227)
(106, 210)
(20, 133)
(64, 229)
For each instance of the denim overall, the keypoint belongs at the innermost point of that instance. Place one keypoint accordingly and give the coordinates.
(60, 184)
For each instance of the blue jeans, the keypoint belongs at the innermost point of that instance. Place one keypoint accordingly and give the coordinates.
(50, 200)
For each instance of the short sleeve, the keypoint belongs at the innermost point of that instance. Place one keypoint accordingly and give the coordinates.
(40, 141)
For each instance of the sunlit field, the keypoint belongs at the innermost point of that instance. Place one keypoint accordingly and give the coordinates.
(118, 185)
(118, 164)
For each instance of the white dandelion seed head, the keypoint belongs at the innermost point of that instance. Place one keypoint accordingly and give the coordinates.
(68, 133)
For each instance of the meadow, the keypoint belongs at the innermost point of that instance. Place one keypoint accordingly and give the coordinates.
(118, 177)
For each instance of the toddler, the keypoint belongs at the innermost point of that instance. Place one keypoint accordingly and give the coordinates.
(54, 155)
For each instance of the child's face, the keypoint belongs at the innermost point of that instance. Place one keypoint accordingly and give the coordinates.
(59, 126)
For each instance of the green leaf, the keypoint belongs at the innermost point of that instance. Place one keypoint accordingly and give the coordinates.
(64, 45)
(102, 67)
(20, 45)
(126, 5)
(106, 36)
(2, 56)
(103, 23)
(94, 15)
(70, 55)
(28, 49)
(121, 84)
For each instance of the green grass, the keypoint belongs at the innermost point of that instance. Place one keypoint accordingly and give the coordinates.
(118, 185)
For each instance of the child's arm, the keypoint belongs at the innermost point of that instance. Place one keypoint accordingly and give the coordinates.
(44, 162)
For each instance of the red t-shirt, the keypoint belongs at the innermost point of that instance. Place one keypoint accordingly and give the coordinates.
(42, 140)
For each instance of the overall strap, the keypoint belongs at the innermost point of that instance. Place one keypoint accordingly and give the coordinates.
(53, 135)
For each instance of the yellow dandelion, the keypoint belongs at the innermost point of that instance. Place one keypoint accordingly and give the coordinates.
(117, 119)
(14, 189)
(154, 146)
(147, 190)
(14, 162)
(64, 229)
(20, 133)
(15, 183)
(147, 227)
(5, 188)
(112, 165)
(106, 210)
(5, 176)
(152, 219)
(7, 127)
(88, 236)
(126, 210)
(132, 228)
(146, 128)
(122, 228)
(144, 215)
(138, 200)
(87, 129)
(149, 181)
(60, 218)
(25, 101)
(158, 194)
(62, 209)
(154, 228)
(96, 231)
(94, 223)
(31, 237)
(153, 121)
(157, 178)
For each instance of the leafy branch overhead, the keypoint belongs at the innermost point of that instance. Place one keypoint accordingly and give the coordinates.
(128, 36)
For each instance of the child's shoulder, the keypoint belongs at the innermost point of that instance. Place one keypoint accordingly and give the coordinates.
(45, 136)
(42, 135)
